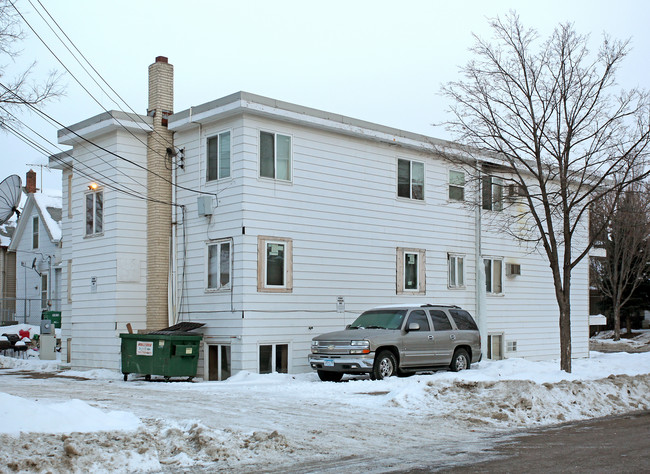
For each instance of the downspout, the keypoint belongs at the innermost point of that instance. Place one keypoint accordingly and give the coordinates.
(480, 269)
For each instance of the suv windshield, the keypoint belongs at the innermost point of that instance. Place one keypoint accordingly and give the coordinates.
(380, 319)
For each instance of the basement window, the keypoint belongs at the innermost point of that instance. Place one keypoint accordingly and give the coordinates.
(274, 358)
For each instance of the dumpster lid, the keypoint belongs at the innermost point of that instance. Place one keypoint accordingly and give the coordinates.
(179, 329)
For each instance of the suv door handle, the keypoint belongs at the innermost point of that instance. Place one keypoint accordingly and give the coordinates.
(430, 337)
(452, 337)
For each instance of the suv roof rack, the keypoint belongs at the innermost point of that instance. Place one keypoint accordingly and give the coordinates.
(429, 305)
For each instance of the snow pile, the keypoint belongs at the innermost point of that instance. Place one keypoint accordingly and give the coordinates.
(641, 337)
(59, 417)
(155, 445)
(254, 422)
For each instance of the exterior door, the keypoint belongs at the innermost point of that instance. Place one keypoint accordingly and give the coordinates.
(444, 336)
(418, 345)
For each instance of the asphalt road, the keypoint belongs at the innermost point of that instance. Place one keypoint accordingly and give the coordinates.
(618, 444)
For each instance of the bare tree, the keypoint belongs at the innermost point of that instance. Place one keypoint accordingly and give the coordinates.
(626, 240)
(21, 90)
(545, 116)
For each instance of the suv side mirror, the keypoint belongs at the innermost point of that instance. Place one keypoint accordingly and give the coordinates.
(413, 327)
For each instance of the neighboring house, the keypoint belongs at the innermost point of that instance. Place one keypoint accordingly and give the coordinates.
(37, 246)
(7, 273)
(291, 222)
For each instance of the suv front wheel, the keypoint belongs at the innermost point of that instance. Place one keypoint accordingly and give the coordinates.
(385, 366)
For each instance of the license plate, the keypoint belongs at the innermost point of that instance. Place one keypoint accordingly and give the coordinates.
(328, 363)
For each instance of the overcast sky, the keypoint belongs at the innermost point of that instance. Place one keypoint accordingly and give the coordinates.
(381, 61)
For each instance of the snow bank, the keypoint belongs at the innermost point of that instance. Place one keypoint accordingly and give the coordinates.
(21, 415)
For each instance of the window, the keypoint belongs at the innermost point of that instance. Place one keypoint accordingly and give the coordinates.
(275, 156)
(274, 264)
(94, 213)
(410, 271)
(219, 156)
(219, 362)
(494, 346)
(218, 267)
(493, 278)
(440, 320)
(420, 317)
(463, 320)
(44, 299)
(35, 232)
(456, 271)
(456, 185)
(410, 179)
(270, 353)
(492, 193)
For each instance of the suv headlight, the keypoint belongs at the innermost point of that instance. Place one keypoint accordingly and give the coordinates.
(360, 347)
(314, 347)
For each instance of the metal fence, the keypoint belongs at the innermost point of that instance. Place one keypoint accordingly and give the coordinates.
(23, 310)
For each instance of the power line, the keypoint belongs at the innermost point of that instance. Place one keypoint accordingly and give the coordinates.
(73, 75)
(44, 114)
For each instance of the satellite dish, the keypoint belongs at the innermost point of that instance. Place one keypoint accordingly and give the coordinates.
(10, 190)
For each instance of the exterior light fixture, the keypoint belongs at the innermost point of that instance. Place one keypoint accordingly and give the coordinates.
(92, 186)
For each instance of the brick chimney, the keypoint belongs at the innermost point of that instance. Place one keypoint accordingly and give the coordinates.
(30, 182)
(159, 216)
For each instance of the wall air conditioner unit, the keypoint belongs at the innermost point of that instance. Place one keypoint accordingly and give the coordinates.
(204, 204)
(513, 269)
(514, 191)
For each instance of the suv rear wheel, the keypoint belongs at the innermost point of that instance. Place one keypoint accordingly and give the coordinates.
(327, 376)
(460, 361)
(385, 366)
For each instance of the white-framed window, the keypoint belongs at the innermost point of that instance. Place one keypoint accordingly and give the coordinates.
(218, 267)
(44, 299)
(275, 156)
(495, 346)
(456, 270)
(411, 271)
(274, 358)
(274, 264)
(218, 162)
(410, 179)
(493, 275)
(219, 361)
(456, 185)
(35, 232)
(492, 193)
(94, 213)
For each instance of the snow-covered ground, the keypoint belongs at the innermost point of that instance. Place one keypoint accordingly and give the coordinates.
(67, 421)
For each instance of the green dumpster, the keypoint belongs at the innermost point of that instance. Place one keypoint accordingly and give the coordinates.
(54, 316)
(170, 352)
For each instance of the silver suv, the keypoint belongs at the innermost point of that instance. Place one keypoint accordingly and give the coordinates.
(398, 340)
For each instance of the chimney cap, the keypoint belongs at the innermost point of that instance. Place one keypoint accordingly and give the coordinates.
(161, 59)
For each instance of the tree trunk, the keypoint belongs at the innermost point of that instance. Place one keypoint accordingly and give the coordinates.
(565, 334)
(617, 322)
